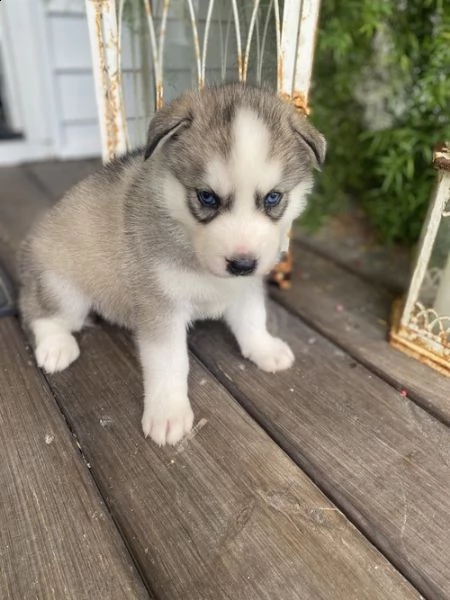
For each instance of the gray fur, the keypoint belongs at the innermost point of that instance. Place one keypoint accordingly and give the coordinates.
(134, 242)
(108, 233)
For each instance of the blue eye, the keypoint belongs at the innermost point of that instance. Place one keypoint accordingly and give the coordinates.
(208, 199)
(272, 199)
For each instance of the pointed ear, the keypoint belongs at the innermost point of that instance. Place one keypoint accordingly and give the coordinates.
(167, 123)
(314, 141)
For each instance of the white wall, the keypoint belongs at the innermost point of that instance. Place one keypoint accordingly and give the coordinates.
(67, 38)
(28, 85)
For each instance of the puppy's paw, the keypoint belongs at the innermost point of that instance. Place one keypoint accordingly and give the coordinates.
(272, 355)
(167, 420)
(56, 352)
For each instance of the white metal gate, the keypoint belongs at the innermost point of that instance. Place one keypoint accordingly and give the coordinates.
(228, 39)
(293, 33)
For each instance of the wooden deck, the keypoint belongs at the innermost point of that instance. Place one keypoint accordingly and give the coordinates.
(326, 482)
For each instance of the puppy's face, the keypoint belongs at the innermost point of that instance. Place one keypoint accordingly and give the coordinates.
(239, 166)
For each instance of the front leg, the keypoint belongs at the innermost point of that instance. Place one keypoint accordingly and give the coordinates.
(247, 319)
(164, 356)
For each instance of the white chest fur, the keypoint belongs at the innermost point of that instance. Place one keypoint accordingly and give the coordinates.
(203, 296)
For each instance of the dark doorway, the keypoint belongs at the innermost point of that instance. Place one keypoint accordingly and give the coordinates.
(6, 131)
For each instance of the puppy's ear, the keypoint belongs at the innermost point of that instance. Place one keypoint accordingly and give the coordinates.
(167, 122)
(314, 141)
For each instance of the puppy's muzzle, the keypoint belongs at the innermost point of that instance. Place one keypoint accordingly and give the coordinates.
(241, 265)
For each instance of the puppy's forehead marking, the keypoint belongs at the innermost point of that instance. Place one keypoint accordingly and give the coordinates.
(251, 137)
(251, 152)
(250, 167)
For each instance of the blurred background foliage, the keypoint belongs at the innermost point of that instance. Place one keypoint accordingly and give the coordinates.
(381, 96)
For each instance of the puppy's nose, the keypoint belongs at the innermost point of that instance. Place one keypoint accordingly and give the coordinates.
(242, 264)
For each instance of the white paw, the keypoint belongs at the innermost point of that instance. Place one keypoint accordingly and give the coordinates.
(167, 420)
(272, 355)
(56, 352)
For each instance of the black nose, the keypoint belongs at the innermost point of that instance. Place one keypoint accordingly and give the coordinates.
(241, 265)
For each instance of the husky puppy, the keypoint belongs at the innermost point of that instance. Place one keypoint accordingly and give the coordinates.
(183, 229)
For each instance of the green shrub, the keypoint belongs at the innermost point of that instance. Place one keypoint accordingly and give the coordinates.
(381, 96)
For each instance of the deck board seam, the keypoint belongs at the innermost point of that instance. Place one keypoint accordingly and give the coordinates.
(317, 328)
(34, 180)
(302, 462)
(307, 467)
(85, 460)
(302, 242)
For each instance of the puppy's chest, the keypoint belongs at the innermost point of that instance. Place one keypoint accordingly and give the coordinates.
(204, 296)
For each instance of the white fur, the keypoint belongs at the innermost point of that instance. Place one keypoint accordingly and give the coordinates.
(244, 229)
(200, 295)
(56, 348)
(297, 203)
(212, 294)
(100, 213)
(167, 414)
(247, 318)
(249, 168)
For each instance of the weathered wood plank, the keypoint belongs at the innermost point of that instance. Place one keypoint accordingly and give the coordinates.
(57, 539)
(26, 193)
(21, 203)
(348, 241)
(231, 507)
(57, 177)
(223, 515)
(355, 314)
(379, 456)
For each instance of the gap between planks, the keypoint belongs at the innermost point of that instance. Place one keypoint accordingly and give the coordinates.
(223, 514)
(57, 538)
(353, 434)
(354, 315)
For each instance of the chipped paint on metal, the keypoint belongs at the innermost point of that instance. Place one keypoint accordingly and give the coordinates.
(441, 156)
(94, 11)
(105, 54)
(419, 342)
(294, 46)
(240, 60)
(159, 100)
(429, 233)
(306, 46)
(116, 126)
(121, 90)
(160, 72)
(280, 72)
(290, 32)
(298, 100)
(108, 33)
(416, 329)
